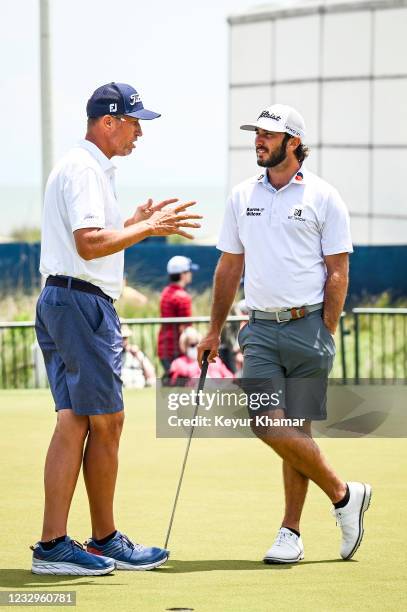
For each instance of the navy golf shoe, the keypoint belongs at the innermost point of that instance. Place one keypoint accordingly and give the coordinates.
(127, 555)
(69, 558)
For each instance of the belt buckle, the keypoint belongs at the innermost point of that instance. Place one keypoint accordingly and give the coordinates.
(295, 313)
(278, 318)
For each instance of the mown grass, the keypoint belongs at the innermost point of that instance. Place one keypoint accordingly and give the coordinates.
(229, 511)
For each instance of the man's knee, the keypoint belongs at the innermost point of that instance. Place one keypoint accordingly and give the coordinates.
(263, 425)
(269, 435)
(107, 427)
(306, 428)
(71, 426)
(273, 427)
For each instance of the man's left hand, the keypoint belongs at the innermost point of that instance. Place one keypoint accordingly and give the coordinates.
(145, 211)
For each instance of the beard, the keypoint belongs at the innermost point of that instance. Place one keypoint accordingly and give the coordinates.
(275, 158)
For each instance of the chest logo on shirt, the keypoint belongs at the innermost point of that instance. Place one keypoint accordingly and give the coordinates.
(254, 211)
(296, 214)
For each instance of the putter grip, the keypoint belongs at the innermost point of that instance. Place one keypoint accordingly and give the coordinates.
(205, 357)
(204, 370)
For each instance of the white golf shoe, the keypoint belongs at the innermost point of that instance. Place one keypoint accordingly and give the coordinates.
(350, 517)
(287, 548)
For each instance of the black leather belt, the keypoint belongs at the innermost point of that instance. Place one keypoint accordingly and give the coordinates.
(76, 285)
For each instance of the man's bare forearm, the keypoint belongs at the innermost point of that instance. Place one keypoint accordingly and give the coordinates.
(103, 242)
(336, 287)
(226, 283)
(92, 242)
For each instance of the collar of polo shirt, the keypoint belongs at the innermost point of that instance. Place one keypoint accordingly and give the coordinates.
(104, 161)
(299, 178)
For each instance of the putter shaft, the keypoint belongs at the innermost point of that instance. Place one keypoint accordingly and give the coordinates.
(201, 383)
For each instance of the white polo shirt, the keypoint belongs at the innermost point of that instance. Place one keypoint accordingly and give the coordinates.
(284, 236)
(80, 193)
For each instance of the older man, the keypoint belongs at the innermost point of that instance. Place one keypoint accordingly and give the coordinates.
(290, 229)
(83, 238)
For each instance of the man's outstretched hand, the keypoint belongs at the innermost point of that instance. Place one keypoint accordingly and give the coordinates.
(144, 211)
(166, 221)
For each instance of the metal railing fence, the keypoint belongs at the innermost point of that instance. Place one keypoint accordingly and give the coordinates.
(380, 343)
(17, 356)
(371, 344)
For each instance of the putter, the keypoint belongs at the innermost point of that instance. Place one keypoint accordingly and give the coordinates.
(201, 383)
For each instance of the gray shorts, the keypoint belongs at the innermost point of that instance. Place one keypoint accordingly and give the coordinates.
(294, 358)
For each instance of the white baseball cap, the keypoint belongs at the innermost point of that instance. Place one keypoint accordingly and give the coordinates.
(179, 264)
(279, 118)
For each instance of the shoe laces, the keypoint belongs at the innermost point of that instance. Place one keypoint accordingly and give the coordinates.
(281, 537)
(73, 544)
(338, 516)
(132, 545)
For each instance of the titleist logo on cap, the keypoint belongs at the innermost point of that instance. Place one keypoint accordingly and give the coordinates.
(268, 115)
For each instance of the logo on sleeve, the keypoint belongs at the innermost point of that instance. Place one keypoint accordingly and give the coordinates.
(90, 217)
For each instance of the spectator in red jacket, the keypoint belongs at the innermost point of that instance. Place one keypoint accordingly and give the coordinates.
(175, 301)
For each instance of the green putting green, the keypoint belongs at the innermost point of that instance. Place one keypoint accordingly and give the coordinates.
(228, 514)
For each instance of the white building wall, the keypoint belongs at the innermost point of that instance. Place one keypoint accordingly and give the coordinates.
(344, 66)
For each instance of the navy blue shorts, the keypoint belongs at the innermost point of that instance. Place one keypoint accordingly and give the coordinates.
(80, 338)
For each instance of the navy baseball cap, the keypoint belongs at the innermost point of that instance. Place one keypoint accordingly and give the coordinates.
(117, 99)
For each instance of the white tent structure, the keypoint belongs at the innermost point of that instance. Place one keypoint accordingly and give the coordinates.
(343, 65)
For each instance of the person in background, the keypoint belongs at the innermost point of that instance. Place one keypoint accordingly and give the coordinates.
(175, 301)
(185, 369)
(137, 370)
